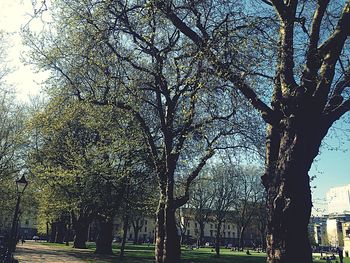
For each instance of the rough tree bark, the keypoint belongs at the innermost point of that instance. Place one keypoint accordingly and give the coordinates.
(104, 237)
(172, 250)
(81, 228)
(298, 119)
(160, 232)
(289, 194)
(80, 224)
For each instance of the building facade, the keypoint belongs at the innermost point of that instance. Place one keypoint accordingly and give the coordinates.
(318, 230)
(338, 200)
(346, 237)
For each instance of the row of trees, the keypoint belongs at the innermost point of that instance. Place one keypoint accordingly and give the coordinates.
(228, 193)
(127, 58)
(90, 161)
(88, 165)
(12, 138)
(189, 74)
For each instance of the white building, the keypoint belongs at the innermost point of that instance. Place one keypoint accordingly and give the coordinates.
(338, 200)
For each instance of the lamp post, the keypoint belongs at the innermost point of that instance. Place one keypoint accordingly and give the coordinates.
(21, 185)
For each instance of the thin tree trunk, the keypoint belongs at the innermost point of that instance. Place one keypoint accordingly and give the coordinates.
(160, 232)
(60, 232)
(201, 233)
(105, 237)
(218, 239)
(53, 232)
(47, 232)
(125, 234)
(136, 232)
(241, 238)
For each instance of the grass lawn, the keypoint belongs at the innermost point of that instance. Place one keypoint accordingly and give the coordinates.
(145, 254)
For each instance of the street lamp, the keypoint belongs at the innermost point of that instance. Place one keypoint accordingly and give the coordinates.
(21, 185)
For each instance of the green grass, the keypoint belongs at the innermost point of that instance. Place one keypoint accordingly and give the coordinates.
(145, 254)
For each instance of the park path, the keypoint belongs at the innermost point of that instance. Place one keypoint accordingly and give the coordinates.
(36, 252)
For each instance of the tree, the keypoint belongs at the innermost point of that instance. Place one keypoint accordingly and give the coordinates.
(223, 185)
(250, 194)
(104, 53)
(58, 159)
(12, 136)
(301, 111)
(81, 164)
(182, 220)
(202, 198)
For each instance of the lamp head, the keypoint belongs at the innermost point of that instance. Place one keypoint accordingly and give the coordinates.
(21, 184)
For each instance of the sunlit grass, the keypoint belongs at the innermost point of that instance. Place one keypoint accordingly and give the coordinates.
(145, 254)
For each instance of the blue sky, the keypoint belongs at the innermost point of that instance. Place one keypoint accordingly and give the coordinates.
(332, 166)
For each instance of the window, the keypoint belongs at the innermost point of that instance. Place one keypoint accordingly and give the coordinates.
(228, 226)
(145, 228)
(27, 222)
(347, 232)
(188, 232)
(223, 234)
(130, 236)
(188, 224)
(195, 225)
(216, 225)
(211, 233)
(229, 234)
(211, 225)
(145, 222)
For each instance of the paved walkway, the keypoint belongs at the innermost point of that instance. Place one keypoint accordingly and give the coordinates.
(34, 252)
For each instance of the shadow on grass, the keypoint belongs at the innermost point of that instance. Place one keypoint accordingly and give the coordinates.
(145, 254)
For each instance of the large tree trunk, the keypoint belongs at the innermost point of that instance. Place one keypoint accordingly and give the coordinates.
(81, 228)
(287, 235)
(167, 248)
(288, 188)
(172, 248)
(105, 237)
